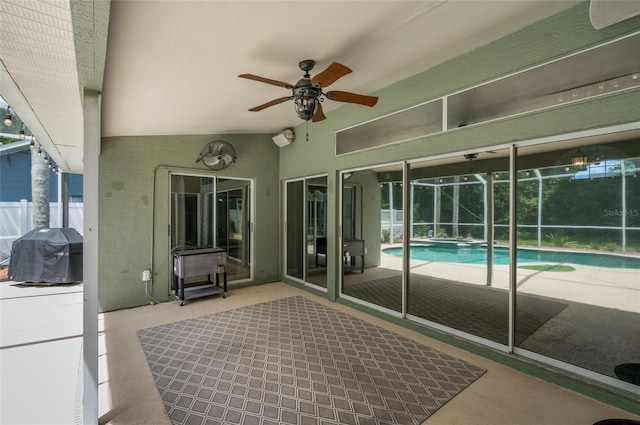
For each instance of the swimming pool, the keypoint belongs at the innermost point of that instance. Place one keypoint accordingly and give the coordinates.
(478, 255)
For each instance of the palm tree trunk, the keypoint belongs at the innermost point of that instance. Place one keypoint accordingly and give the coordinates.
(39, 190)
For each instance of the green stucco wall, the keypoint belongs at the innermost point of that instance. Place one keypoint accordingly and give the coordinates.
(133, 199)
(558, 36)
(134, 170)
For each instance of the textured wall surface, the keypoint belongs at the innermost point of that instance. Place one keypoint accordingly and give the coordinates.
(130, 167)
(558, 36)
(134, 194)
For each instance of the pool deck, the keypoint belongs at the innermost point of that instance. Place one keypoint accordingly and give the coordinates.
(599, 286)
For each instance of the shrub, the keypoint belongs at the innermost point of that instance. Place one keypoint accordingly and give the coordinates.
(558, 239)
(420, 230)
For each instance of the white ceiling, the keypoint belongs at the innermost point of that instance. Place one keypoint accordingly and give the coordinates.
(171, 66)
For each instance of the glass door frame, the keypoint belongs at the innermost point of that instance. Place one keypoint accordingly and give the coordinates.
(305, 211)
(250, 196)
(510, 348)
(357, 227)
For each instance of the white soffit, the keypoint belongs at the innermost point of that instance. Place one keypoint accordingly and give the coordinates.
(172, 66)
(38, 75)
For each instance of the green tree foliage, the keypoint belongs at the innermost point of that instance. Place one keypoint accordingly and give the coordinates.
(596, 203)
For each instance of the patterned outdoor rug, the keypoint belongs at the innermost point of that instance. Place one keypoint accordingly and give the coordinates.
(474, 309)
(294, 361)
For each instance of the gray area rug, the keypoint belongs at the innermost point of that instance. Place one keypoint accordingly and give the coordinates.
(478, 310)
(294, 361)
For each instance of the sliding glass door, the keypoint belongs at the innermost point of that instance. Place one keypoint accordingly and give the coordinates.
(305, 223)
(454, 283)
(372, 235)
(208, 211)
(531, 250)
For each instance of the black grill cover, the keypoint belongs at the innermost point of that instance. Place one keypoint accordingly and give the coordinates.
(47, 256)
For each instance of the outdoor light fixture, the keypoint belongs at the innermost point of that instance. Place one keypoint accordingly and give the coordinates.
(284, 138)
(39, 152)
(305, 99)
(22, 132)
(32, 145)
(8, 120)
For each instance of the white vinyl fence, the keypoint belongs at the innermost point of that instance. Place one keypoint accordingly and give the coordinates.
(390, 225)
(15, 221)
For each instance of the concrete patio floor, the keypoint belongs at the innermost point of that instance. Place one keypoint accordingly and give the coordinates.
(41, 358)
(40, 354)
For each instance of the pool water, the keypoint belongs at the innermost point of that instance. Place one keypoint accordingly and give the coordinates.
(478, 255)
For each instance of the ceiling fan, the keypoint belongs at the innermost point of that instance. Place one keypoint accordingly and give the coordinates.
(307, 93)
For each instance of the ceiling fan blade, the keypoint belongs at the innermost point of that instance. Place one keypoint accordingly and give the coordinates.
(360, 99)
(266, 80)
(331, 74)
(319, 114)
(271, 103)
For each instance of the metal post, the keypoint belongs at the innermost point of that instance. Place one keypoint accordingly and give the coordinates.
(63, 178)
(513, 243)
(91, 109)
(624, 205)
(406, 261)
(488, 191)
(411, 212)
(391, 213)
(539, 176)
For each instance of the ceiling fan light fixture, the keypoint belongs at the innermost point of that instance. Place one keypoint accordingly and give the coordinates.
(579, 160)
(304, 101)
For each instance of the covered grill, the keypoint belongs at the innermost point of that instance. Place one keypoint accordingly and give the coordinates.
(47, 256)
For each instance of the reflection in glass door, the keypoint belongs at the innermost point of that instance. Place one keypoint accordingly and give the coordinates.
(212, 212)
(452, 282)
(578, 263)
(306, 222)
(294, 225)
(369, 272)
(316, 273)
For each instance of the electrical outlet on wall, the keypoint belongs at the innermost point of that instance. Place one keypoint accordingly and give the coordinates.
(146, 275)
